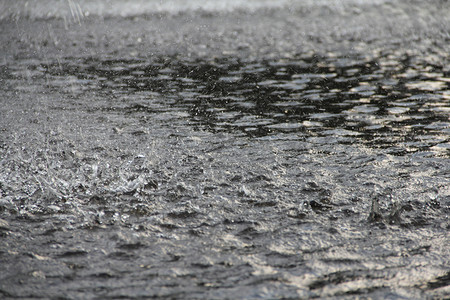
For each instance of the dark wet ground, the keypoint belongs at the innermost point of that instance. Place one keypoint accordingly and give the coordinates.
(277, 153)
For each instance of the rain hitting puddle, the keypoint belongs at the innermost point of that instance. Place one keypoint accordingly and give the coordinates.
(328, 99)
(251, 153)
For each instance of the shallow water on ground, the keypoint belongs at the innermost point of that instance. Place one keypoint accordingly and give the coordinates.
(391, 102)
(225, 176)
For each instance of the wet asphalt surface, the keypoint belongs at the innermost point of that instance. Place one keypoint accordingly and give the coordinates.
(273, 153)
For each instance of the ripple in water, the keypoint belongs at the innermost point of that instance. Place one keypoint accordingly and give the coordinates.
(369, 101)
(296, 178)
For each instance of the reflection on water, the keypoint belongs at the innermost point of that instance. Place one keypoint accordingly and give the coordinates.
(388, 102)
(218, 156)
(181, 179)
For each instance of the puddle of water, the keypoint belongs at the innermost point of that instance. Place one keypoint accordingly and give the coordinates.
(228, 96)
(228, 176)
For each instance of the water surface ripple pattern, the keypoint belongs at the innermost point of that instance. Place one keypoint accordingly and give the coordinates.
(289, 152)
